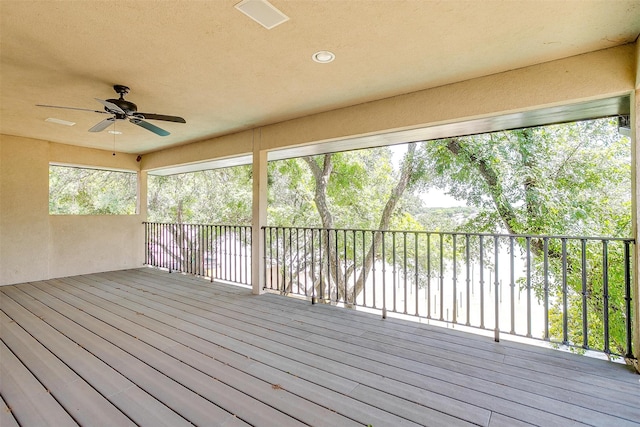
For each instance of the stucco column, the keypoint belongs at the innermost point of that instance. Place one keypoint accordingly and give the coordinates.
(259, 213)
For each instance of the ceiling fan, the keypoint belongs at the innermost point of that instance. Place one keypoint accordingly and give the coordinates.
(121, 109)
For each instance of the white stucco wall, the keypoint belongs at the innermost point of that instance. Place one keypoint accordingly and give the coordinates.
(35, 245)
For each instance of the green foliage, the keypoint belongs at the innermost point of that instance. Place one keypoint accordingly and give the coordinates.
(220, 196)
(82, 191)
(563, 179)
(570, 179)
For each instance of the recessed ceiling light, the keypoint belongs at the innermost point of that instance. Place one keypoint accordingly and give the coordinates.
(323, 56)
(59, 121)
(115, 132)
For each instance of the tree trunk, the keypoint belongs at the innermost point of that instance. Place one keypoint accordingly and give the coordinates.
(338, 267)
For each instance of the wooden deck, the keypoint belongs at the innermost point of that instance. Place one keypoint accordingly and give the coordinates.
(145, 347)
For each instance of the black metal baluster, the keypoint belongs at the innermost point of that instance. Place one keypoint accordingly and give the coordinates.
(496, 249)
(546, 287)
(428, 297)
(336, 265)
(313, 269)
(512, 284)
(441, 276)
(304, 244)
(585, 337)
(290, 261)
(468, 267)
(565, 313)
(373, 273)
(405, 270)
(245, 260)
(384, 278)
(395, 272)
(169, 251)
(528, 287)
(415, 261)
(298, 263)
(264, 249)
(320, 265)
(278, 259)
(364, 269)
(329, 264)
(605, 294)
(355, 270)
(481, 282)
(627, 296)
(346, 279)
(455, 281)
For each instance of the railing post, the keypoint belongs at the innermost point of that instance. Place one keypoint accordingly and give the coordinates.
(496, 332)
(546, 287)
(565, 310)
(583, 259)
(384, 279)
(605, 294)
(627, 298)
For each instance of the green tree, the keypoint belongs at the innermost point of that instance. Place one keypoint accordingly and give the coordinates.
(357, 189)
(84, 191)
(569, 179)
(218, 196)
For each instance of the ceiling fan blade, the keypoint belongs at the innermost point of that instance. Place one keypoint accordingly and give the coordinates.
(103, 125)
(148, 126)
(111, 106)
(150, 116)
(72, 108)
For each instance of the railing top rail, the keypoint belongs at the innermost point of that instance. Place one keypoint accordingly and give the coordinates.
(198, 224)
(424, 232)
(462, 233)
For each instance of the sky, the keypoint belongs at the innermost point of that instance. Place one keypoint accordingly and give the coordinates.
(434, 198)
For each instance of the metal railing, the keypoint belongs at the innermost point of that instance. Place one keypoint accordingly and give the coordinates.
(220, 252)
(574, 291)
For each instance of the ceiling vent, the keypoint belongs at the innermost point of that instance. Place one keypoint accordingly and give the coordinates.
(263, 12)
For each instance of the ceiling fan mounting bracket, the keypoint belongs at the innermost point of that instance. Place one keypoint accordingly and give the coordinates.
(121, 90)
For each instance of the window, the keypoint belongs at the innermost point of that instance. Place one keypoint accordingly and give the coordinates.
(85, 191)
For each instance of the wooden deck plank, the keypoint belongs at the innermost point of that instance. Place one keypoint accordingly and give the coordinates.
(477, 342)
(259, 337)
(225, 397)
(30, 403)
(79, 399)
(131, 400)
(570, 409)
(173, 394)
(339, 403)
(204, 361)
(499, 420)
(343, 364)
(277, 370)
(523, 371)
(190, 347)
(6, 416)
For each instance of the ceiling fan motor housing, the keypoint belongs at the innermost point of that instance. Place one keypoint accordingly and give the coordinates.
(126, 106)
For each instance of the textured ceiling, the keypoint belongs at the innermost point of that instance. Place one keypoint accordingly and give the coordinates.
(223, 72)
